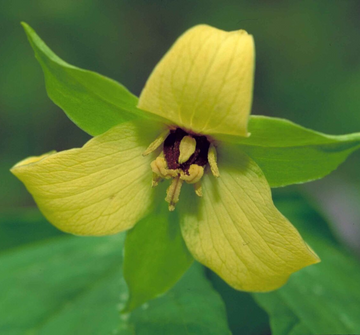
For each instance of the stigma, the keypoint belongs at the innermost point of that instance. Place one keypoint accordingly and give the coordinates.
(184, 158)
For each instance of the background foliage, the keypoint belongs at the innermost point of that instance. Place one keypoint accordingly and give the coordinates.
(308, 71)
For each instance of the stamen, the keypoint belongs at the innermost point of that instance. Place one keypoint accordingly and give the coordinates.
(187, 148)
(212, 159)
(198, 189)
(194, 174)
(159, 167)
(183, 158)
(155, 180)
(158, 141)
(173, 192)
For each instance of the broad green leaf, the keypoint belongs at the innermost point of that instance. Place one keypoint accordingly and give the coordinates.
(93, 102)
(288, 153)
(74, 285)
(324, 298)
(62, 286)
(155, 256)
(244, 314)
(22, 226)
(283, 320)
(191, 307)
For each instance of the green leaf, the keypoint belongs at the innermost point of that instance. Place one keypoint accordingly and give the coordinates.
(192, 306)
(323, 298)
(22, 226)
(74, 285)
(62, 286)
(93, 102)
(288, 153)
(155, 256)
(283, 320)
(244, 314)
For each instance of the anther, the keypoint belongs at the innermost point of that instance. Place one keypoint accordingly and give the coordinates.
(158, 141)
(155, 180)
(173, 192)
(187, 148)
(212, 159)
(159, 167)
(198, 189)
(194, 174)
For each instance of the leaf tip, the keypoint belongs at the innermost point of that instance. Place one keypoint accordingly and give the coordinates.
(132, 304)
(25, 25)
(28, 30)
(129, 307)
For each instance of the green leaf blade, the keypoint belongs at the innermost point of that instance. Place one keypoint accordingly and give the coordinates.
(93, 102)
(288, 153)
(245, 316)
(74, 285)
(51, 277)
(191, 297)
(282, 319)
(155, 256)
(18, 227)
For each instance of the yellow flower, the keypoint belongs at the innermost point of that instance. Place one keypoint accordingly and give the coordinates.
(202, 88)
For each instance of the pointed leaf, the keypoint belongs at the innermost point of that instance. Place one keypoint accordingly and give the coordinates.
(288, 153)
(93, 102)
(155, 256)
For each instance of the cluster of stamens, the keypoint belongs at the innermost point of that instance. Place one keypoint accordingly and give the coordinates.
(184, 158)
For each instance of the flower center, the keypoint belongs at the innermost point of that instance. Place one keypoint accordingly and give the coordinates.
(184, 158)
(182, 150)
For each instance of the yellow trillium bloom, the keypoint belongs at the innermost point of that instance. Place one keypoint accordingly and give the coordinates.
(203, 87)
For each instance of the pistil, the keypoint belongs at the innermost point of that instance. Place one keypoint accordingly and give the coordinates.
(187, 148)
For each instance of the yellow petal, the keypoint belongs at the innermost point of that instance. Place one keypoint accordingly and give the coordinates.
(205, 82)
(99, 189)
(236, 231)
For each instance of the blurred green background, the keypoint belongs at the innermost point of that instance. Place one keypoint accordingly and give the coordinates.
(307, 70)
